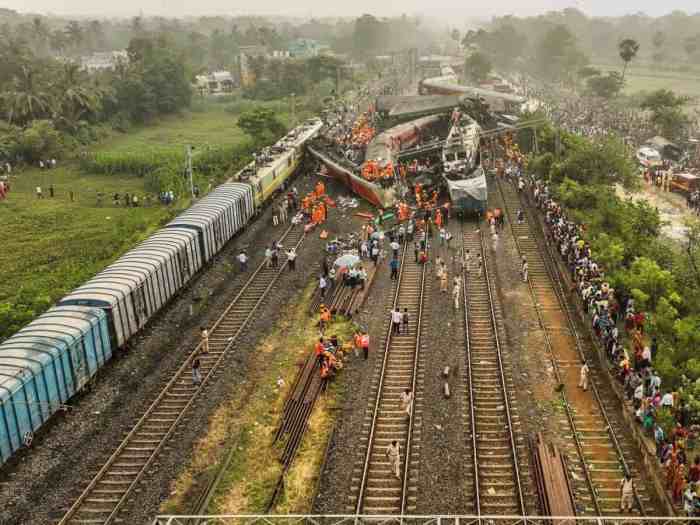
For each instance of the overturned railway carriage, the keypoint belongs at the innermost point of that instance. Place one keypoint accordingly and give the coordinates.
(383, 149)
(50, 360)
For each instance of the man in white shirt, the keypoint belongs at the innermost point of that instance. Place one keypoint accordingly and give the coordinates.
(583, 380)
(667, 400)
(396, 318)
(243, 259)
(322, 284)
(395, 248)
(626, 494)
(291, 259)
(393, 452)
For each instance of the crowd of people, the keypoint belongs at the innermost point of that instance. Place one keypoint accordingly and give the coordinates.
(631, 358)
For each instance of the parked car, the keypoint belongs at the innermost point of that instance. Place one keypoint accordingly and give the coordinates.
(648, 157)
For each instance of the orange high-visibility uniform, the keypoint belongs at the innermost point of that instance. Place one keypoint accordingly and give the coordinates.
(325, 315)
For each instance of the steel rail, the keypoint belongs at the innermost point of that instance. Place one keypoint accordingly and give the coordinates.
(411, 420)
(380, 387)
(182, 370)
(504, 389)
(555, 364)
(503, 379)
(556, 278)
(385, 359)
(472, 413)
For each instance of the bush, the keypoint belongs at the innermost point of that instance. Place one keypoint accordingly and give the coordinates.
(40, 140)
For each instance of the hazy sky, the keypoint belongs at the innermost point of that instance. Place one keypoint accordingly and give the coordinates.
(446, 9)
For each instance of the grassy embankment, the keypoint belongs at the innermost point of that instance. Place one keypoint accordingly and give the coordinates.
(248, 422)
(50, 246)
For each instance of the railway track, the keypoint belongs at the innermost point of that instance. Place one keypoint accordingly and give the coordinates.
(375, 488)
(498, 486)
(106, 494)
(599, 453)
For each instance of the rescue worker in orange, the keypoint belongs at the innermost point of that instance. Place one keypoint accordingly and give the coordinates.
(324, 317)
(438, 219)
(320, 189)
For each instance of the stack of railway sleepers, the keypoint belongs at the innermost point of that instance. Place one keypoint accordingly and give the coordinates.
(297, 408)
(552, 479)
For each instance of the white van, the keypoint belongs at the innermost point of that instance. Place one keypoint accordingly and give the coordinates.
(648, 157)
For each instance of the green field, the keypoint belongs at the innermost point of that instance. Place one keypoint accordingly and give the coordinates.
(210, 123)
(643, 78)
(52, 245)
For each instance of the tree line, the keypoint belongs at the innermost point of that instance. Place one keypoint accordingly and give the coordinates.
(663, 276)
(49, 106)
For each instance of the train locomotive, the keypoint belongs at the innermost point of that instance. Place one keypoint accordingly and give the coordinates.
(55, 356)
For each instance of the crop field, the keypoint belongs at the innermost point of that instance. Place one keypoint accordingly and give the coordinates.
(52, 245)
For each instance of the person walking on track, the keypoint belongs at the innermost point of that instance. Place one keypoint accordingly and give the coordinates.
(394, 266)
(626, 493)
(268, 257)
(364, 342)
(292, 259)
(393, 452)
(443, 279)
(583, 376)
(404, 320)
(456, 289)
(243, 260)
(396, 321)
(204, 333)
(196, 374)
(407, 402)
(524, 269)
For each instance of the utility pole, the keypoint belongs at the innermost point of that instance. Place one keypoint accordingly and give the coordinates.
(337, 81)
(188, 167)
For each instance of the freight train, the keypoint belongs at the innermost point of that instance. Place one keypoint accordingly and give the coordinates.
(55, 356)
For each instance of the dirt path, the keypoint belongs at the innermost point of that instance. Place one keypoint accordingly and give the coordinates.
(672, 208)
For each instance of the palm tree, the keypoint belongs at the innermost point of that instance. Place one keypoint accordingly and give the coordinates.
(74, 34)
(26, 101)
(75, 99)
(41, 35)
(628, 50)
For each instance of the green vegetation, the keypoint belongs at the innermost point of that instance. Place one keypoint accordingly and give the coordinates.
(663, 276)
(477, 67)
(248, 424)
(670, 41)
(53, 245)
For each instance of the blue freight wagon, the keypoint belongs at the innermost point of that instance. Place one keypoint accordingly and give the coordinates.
(45, 364)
